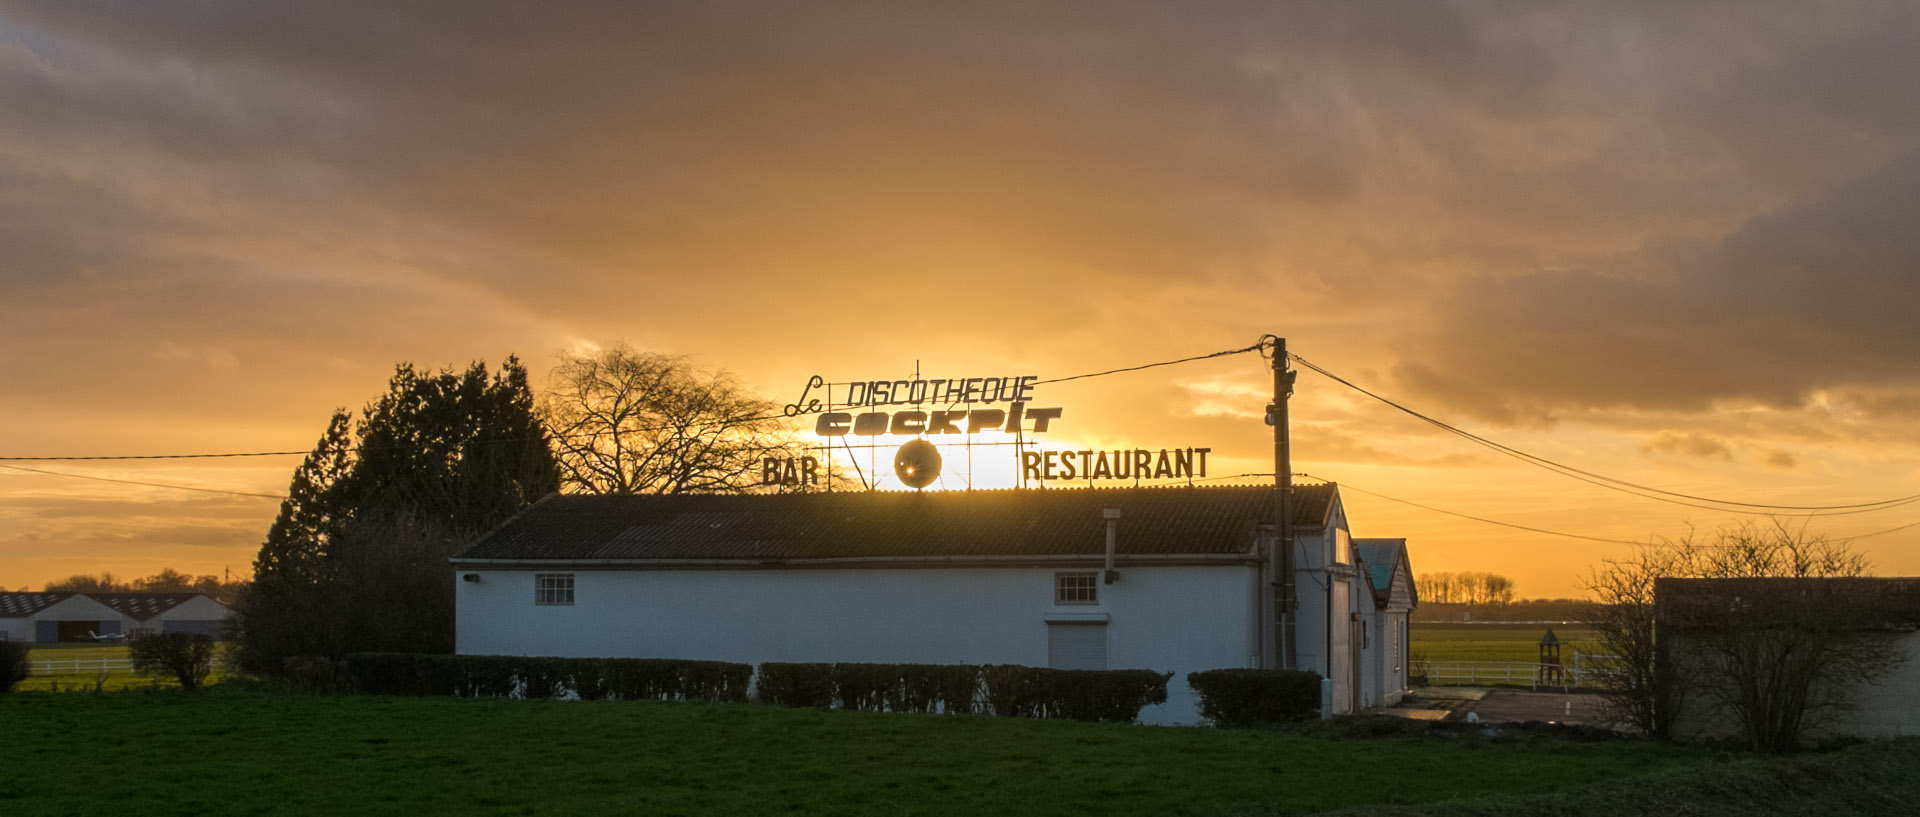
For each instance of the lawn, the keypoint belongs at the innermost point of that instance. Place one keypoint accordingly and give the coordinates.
(1494, 642)
(237, 751)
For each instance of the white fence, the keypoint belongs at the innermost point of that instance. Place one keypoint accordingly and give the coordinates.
(80, 666)
(1586, 672)
(89, 666)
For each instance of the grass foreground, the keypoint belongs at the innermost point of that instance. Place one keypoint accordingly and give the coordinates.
(237, 751)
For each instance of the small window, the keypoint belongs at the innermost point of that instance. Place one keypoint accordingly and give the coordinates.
(553, 588)
(1076, 588)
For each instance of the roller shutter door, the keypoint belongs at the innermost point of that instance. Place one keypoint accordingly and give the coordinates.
(1077, 646)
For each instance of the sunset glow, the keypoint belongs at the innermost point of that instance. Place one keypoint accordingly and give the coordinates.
(1668, 247)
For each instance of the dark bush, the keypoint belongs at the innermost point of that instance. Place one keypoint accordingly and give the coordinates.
(188, 656)
(543, 677)
(13, 664)
(869, 687)
(1086, 695)
(1253, 697)
(1013, 691)
(949, 688)
(795, 684)
(314, 674)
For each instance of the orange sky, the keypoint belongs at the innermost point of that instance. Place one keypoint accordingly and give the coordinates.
(1671, 246)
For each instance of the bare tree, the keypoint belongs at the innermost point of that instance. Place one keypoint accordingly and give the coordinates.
(1464, 588)
(1761, 621)
(629, 422)
(189, 656)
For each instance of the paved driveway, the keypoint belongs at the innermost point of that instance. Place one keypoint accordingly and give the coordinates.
(1499, 706)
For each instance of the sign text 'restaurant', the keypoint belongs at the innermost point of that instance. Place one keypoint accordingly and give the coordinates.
(1138, 463)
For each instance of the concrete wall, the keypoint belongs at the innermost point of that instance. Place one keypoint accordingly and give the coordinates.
(1169, 619)
(1888, 707)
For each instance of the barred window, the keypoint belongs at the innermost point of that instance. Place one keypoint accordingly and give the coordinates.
(553, 588)
(1076, 588)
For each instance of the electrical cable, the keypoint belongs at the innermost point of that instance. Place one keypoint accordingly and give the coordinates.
(138, 482)
(1623, 486)
(700, 425)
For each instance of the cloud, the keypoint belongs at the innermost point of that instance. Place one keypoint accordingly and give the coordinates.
(1688, 444)
(1800, 299)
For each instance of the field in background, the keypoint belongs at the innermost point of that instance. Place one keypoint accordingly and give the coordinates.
(1496, 654)
(1495, 642)
(231, 751)
(88, 667)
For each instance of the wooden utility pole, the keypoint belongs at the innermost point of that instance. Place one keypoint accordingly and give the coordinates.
(1286, 600)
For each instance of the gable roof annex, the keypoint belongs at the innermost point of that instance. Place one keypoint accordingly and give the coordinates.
(884, 524)
(1382, 557)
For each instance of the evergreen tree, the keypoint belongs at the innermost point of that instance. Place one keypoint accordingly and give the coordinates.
(356, 559)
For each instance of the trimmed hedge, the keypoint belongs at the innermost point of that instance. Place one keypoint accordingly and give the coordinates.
(1008, 690)
(931, 688)
(1255, 697)
(797, 685)
(14, 667)
(1083, 695)
(543, 677)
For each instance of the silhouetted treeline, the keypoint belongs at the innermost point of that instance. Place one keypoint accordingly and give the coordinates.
(1464, 588)
(167, 580)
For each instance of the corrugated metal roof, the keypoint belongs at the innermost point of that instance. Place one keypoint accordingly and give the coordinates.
(21, 605)
(1858, 602)
(1182, 520)
(142, 606)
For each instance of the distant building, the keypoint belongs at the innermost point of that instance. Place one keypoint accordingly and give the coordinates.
(979, 577)
(1775, 619)
(47, 618)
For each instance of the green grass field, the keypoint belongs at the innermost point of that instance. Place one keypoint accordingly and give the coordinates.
(66, 677)
(1494, 642)
(231, 751)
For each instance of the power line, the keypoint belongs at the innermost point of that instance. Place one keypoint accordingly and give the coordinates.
(156, 456)
(1623, 486)
(706, 424)
(138, 482)
(1222, 353)
(1351, 486)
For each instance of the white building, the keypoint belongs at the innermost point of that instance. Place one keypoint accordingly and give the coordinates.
(1383, 612)
(980, 577)
(47, 618)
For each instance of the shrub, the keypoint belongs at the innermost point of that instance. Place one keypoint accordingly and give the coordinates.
(1087, 695)
(1252, 697)
(945, 688)
(795, 684)
(316, 674)
(189, 656)
(544, 677)
(13, 664)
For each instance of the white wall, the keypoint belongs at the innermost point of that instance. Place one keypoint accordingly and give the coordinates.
(1887, 708)
(1168, 619)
